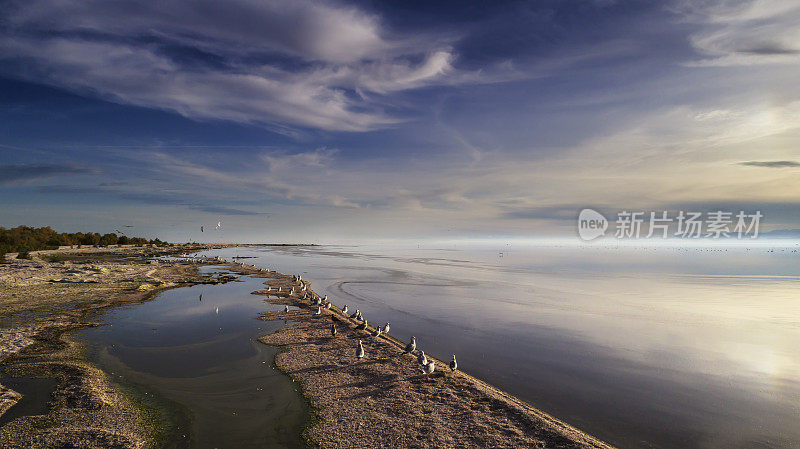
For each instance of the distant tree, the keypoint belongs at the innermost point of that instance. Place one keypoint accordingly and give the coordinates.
(108, 239)
(26, 238)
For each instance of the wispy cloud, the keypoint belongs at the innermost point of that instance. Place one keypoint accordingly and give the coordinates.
(172, 199)
(279, 63)
(11, 173)
(771, 164)
(744, 33)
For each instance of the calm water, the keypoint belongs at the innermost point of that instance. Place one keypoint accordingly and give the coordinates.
(642, 347)
(198, 360)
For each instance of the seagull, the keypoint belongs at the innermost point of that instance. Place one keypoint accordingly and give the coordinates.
(362, 326)
(421, 359)
(216, 309)
(360, 317)
(285, 308)
(360, 351)
(453, 364)
(355, 314)
(411, 346)
(333, 329)
(344, 310)
(219, 224)
(377, 332)
(319, 311)
(386, 328)
(429, 368)
(328, 306)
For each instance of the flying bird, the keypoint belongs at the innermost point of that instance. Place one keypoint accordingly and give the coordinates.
(411, 346)
(360, 351)
(219, 225)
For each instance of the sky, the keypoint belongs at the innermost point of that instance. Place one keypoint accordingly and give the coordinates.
(329, 121)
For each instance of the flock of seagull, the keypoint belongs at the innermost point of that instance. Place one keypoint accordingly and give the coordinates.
(428, 366)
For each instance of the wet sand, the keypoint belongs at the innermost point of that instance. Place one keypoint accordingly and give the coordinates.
(58, 291)
(385, 399)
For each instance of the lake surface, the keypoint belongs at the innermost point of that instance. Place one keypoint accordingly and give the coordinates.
(196, 358)
(660, 347)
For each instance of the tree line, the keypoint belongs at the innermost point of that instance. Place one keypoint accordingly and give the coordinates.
(23, 239)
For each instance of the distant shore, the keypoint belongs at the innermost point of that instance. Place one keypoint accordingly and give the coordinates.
(383, 399)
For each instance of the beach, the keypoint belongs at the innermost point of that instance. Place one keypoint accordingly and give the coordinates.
(382, 399)
(386, 398)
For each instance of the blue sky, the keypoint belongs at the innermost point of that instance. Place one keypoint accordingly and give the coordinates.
(294, 120)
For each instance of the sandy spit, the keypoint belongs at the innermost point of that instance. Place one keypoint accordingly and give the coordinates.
(385, 400)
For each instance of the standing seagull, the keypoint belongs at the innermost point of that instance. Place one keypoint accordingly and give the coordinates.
(285, 308)
(360, 351)
(319, 311)
(344, 310)
(421, 359)
(333, 329)
(386, 328)
(355, 314)
(377, 332)
(328, 306)
(453, 364)
(362, 326)
(429, 368)
(411, 346)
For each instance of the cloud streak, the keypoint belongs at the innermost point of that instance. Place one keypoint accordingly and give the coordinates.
(13, 173)
(771, 164)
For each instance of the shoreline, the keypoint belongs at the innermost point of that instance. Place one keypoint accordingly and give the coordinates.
(351, 403)
(58, 291)
(357, 403)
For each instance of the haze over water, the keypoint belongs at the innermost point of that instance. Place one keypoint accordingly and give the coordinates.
(667, 347)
